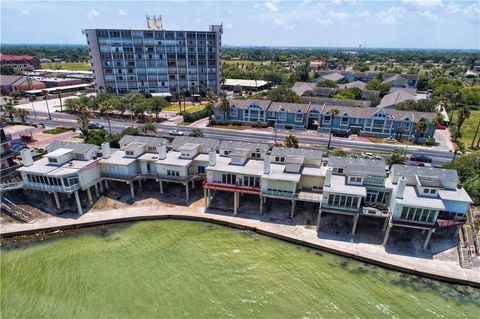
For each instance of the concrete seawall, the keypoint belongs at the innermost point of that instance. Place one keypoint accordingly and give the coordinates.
(283, 232)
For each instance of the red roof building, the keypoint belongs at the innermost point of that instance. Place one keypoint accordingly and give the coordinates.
(22, 62)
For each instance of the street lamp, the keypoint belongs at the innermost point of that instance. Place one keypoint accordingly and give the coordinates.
(130, 106)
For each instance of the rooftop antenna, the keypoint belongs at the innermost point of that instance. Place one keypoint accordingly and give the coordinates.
(154, 23)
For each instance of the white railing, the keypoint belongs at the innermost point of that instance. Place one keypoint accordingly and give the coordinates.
(52, 188)
(296, 196)
(10, 186)
(348, 209)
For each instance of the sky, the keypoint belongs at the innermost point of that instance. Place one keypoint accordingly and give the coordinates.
(328, 23)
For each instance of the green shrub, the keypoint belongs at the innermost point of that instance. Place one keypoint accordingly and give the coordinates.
(237, 123)
(257, 124)
(288, 126)
(195, 116)
(429, 141)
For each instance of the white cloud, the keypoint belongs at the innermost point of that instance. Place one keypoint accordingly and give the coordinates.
(122, 13)
(340, 15)
(92, 13)
(428, 14)
(278, 21)
(198, 20)
(25, 12)
(452, 8)
(392, 15)
(424, 3)
(270, 6)
(336, 1)
(228, 26)
(364, 13)
(324, 22)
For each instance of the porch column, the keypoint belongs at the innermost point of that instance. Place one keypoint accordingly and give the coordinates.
(101, 186)
(292, 212)
(457, 231)
(428, 238)
(319, 219)
(205, 197)
(106, 184)
(193, 184)
(355, 221)
(89, 194)
(96, 190)
(79, 205)
(140, 183)
(209, 196)
(261, 204)
(132, 191)
(161, 186)
(385, 224)
(187, 191)
(387, 233)
(57, 200)
(235, 202)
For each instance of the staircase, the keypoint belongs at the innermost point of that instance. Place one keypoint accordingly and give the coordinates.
(16, 212)
(5, 187)
(465, 252)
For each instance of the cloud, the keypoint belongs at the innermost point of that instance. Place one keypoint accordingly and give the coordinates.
(25, 12)
(228, 26)
(122, 13)
(198, 20)
(324, 22)
(270, 6)
(364, 13)
(428, 14)
(336, 1)
(424, 3)
(278, 21)
(392, 15)
(452, 8)
(92, 13)
(340, 15)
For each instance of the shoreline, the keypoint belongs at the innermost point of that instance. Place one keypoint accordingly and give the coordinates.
(294, 234)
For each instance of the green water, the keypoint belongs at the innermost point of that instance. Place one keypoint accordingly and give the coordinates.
(179, 269)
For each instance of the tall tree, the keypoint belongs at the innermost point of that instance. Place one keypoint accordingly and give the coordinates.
(333, 113)
(420, 127)
(9, 107)
(157, 103)
(45, 96)
(225, 107)
(291, 141)
(22, 114)
(83, 121)
(462, 114)
(397, 157)
(196, 132)
(475, 136)
(211, 100)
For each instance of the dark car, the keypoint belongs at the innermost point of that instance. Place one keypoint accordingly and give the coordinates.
(341, 133)
(95, 126)
(420, 158)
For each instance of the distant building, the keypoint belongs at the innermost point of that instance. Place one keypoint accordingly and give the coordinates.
(155, 60)
(21, 62)
(240, 85)
(19, 83)
(57, 82)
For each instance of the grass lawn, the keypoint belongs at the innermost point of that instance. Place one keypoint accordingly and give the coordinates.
(230, 127)
(57, 130)
(468, 127)
(74, 66)
(190, 108)
(245, 62)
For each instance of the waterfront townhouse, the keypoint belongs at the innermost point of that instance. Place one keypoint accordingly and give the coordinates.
(426, 198)
(67, 168)
(206, 144)
(288, 115)
(243, 111)
(356, 187)
(256, 150)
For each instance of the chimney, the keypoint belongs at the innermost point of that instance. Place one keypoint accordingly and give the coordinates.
(106, 150)
(162, 151)
(266, 165)
(328, 177)
(27, 158)
(402, 183)
(212, 158)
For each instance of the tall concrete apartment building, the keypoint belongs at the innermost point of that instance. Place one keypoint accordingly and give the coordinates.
(155, 60)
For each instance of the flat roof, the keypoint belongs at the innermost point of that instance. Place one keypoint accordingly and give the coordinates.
(314, 171)
(59, 88)
(411, 198)
(41, 166)
(189, 147)
(245, 83)
(118, 158)
(250, 167)
(59, 152)
(339, 186)
(457, 195)
(277, 173)
(173, 158)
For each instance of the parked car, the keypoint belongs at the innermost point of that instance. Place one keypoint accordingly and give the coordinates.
(95, 126)
(341, 133)
(420, 158)
(440, 127)
(175, 133)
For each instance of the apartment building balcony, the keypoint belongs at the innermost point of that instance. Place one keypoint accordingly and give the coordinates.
(341, 209)
(446, 219)
(120, 178)
(231, 188)
(412, 223)
(305, 196)
(375, 210)
(52, 188)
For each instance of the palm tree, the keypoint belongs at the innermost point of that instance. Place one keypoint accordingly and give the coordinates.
(211, 100)
(333, 113)
(225, 107)
(148, 127)
(397, 157)
(475, 136)
(104, 107)
(45, 95)
(399, 132)
(22, 114)
(420, 127)
(291, 141)
(157, 103)
(10, 108)
(83, 121)
(71, 105)
(196, 132)
(60, 99)
(118, 104)
(462, 114)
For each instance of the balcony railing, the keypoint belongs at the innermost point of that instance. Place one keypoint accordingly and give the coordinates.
(52, 188)
(232, 188)
(342, 208)
(5, 137)
(303, 196)
(404, 222)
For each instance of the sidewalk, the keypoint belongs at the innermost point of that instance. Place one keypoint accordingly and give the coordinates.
(376, 254)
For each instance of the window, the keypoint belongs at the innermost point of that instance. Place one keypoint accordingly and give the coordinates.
(52, 160)
(172, 173)
(356, 180)
(129, 152)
